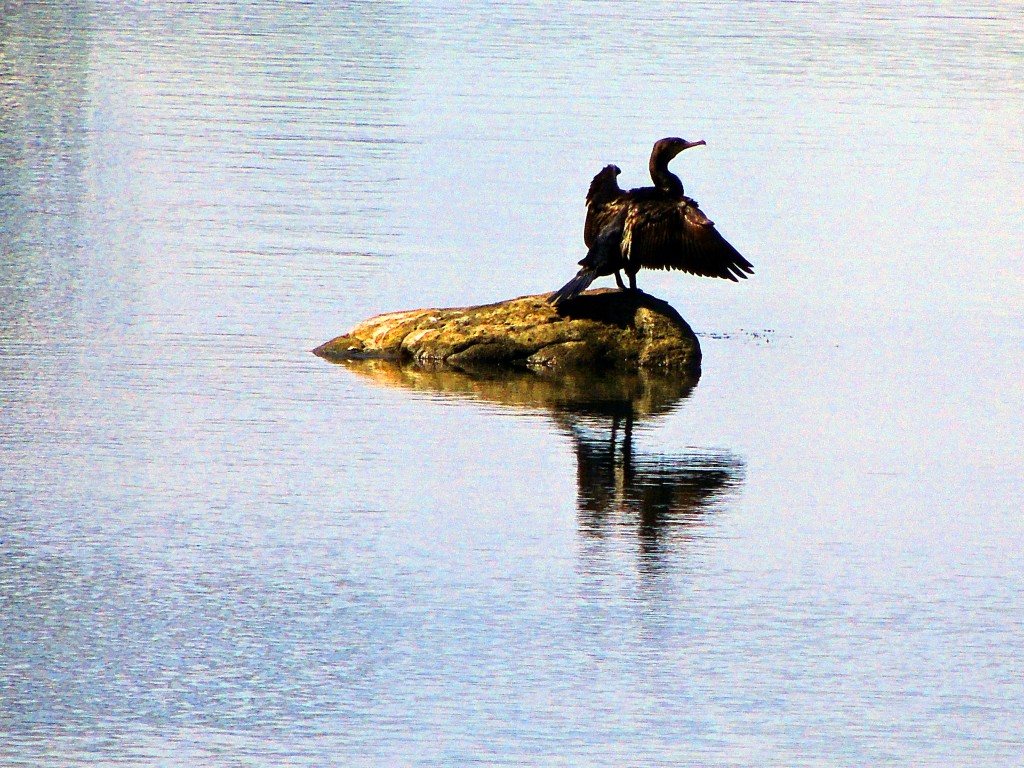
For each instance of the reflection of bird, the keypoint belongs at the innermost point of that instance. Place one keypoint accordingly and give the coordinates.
(624, 487)
(655, 496)
(655, 227)
(619, 484)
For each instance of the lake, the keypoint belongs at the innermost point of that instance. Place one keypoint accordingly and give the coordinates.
(219, 549)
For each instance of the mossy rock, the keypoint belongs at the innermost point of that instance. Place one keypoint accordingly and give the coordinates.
(599, 329)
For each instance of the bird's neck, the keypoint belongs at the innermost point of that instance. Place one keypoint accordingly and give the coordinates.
(664, 179)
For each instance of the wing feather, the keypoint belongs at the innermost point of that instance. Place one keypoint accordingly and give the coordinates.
(675, 234)
(602, 196)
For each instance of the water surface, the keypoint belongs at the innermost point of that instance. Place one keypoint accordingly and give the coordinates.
(217, 548)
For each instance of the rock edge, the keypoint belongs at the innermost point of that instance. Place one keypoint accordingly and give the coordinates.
(605, 328)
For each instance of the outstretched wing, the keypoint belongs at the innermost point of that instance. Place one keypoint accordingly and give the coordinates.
(675, 234)
(604, 191)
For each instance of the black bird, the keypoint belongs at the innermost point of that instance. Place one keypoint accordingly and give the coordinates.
(603, 254)
(655, 227)
(604, 190)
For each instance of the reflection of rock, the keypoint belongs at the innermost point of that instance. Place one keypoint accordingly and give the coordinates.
(565, 393)
(600, 329)
(618, 485)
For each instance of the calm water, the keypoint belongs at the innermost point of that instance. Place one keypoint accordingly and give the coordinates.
(217, 549)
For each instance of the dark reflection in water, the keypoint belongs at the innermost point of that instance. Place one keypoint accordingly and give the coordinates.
(620, 486)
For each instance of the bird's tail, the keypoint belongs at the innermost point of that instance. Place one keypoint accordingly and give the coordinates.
(574, 287)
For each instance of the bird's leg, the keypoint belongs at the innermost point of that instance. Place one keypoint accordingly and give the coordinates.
(618, 281)
(632, 281)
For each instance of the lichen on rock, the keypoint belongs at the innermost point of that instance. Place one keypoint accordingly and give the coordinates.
(598, 329)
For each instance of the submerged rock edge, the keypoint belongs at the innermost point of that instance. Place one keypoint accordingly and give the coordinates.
(600, 329)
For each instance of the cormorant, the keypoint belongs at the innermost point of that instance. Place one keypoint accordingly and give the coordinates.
(655, 227)
(604, 189)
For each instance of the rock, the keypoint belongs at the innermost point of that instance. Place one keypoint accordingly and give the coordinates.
(605, 328)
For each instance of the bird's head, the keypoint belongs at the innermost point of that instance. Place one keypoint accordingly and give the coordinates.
(665, 149)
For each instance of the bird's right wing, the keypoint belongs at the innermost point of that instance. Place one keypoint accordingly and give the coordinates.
(675, 234)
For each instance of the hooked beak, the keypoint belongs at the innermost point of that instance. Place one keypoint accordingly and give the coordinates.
(699, 143)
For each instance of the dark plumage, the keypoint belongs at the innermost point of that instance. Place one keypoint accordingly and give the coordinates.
(604, 189)
(654, 227)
